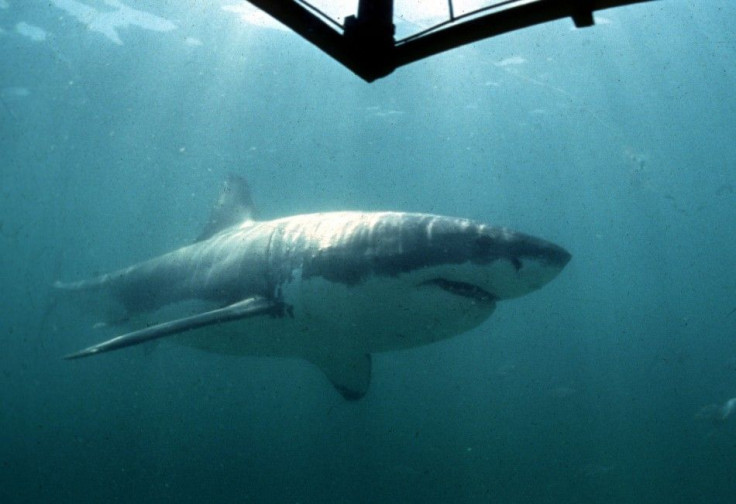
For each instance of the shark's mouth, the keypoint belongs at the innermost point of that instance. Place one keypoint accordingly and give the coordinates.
(463, 289)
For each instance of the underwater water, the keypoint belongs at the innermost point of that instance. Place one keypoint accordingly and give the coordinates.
(118, 122)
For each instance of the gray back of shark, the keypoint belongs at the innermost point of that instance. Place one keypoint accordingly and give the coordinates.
(331, 288)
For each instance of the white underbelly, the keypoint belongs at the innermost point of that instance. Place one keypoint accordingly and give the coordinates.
(378, 315)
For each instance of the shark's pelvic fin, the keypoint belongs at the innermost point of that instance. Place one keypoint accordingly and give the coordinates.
(234, 206)
(349, 373)
(250, 307)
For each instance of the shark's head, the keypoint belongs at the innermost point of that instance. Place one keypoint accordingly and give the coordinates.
(460, 256)
(425, 277)
(485, 262)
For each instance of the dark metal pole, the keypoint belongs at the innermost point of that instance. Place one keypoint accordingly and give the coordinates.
(380, 12)
(370, 37)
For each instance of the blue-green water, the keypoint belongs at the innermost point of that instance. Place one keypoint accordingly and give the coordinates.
(616, 142)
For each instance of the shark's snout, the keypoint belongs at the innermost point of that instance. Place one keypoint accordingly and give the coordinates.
(514, 264)
(554, 255)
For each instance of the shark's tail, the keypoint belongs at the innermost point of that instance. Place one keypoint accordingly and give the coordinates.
(74, 286)
(90, 284)
(93, 297)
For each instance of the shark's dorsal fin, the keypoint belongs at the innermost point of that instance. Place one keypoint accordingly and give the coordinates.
(233, 206)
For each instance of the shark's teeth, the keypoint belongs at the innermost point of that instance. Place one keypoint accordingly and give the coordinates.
(462, 289)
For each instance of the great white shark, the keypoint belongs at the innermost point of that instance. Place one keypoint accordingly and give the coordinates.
(331, 288)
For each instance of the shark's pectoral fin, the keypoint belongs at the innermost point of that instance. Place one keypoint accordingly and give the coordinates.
(349, 373)
(250, 307)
